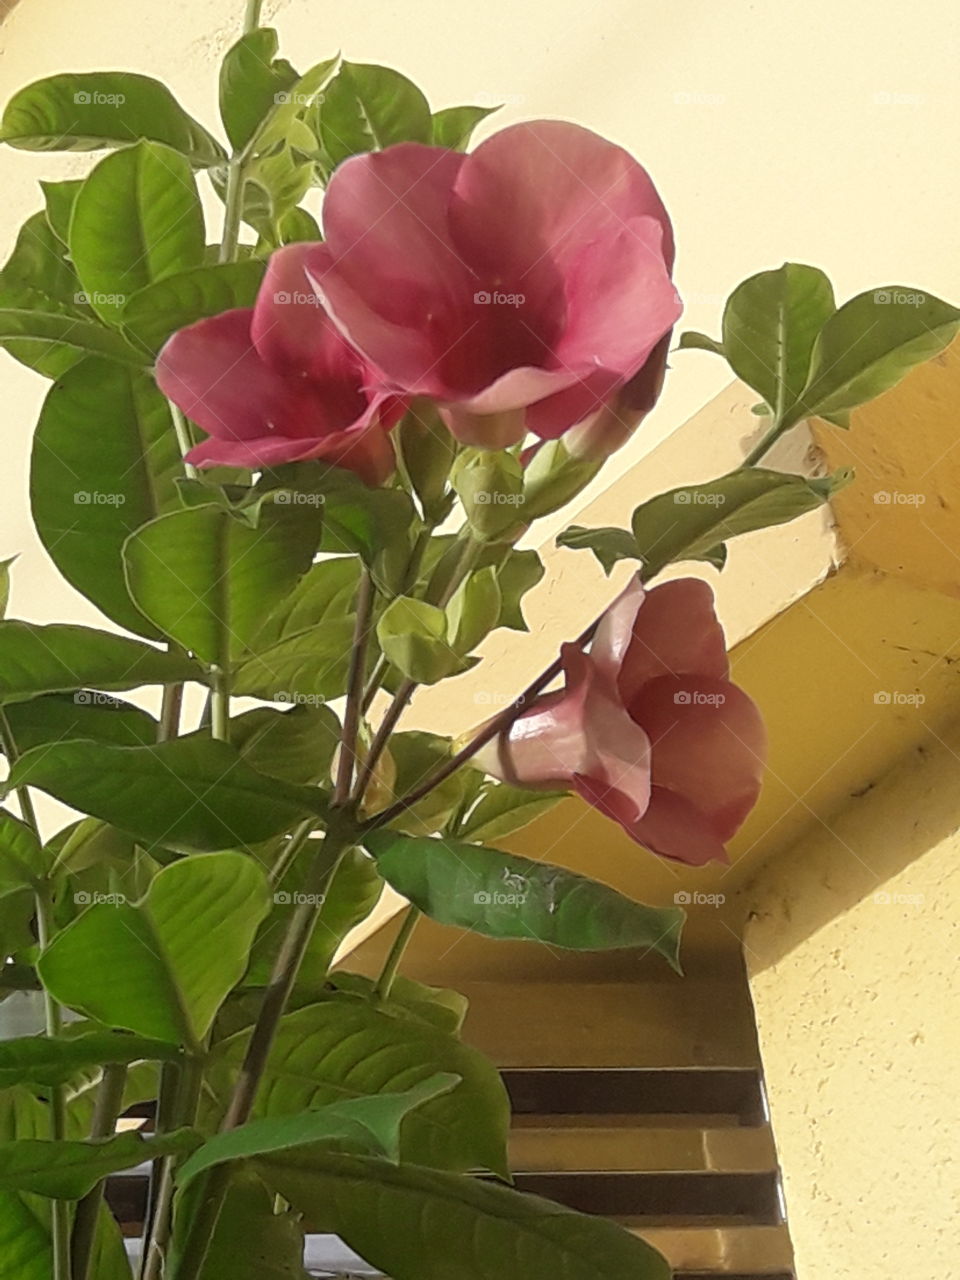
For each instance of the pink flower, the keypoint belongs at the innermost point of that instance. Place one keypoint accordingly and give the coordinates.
(522, 287)
(649, 728)
(278, 383)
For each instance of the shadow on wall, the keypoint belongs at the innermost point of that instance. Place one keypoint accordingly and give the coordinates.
(886, 827)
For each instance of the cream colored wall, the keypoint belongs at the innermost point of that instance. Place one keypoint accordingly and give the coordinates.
(852, 943)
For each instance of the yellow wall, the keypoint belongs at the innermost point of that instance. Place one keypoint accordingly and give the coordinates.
(853, 964)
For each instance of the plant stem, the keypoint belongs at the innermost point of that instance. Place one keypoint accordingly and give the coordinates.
(184, 439)
(184, 1113)
(170, 709)
(767, 441)
(340, 837)
(290, 850)
(252, 17)
(220, 703)
(497, 725)
(53, 1021)
(385, 981)
(103, 1125)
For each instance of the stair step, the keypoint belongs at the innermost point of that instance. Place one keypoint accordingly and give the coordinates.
(563, 1144)
(733, 1093)
(724, 1199)
(721, 1252)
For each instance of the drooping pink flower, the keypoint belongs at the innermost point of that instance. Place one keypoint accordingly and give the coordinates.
(522, 287)
(649, 728)
(278, 383)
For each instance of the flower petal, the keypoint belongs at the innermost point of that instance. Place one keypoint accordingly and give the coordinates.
(389, 273)
(366, 451)
(708, 745)
(676, 632)
(211, 370)
(674, 828)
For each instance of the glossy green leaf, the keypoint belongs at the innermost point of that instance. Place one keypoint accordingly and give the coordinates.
(503, 895)
(22, 860)
(160, 309)
(252, 81)
(346, 1048)
(369, 1124)
(84, 714)
(413, 635)
(38, 277)
(309, 667)
(694, 341)
(84, 336)
(348, 899)
(420, 1224)
(453, 126)
(58, 657)
(60, 198)
(104, 462)
(87, 111)
(191, 794)
(416, 756)
(438, 1007)
(503, 809)
(25, 1241)
(44, 1060)
(692, 523)
(770, 324)
(297, 745)
(206, 577)
(366, 108)
(68, 1170)
(519, 573)
(870, 344)
(607, 544)
(323, 596)
(162, 967)
(137, 219)
(474, 609)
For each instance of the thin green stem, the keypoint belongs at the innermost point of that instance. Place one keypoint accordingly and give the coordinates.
(351, 716)
(767, 441)
(103, 1125)
(220, 703)
(184, 439)
(188, 1095)
(170, 709)
(252, 17)
(288, 854)
(400, 942)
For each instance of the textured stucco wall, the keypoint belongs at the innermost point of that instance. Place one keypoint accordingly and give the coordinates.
(853, 945)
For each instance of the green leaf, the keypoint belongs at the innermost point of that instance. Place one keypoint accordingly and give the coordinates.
(84, 714)
(160, 309)
(519, 573)
(22, 860)
(872, 342)
(206, 577)
(607, 544)
(58, 658)
(436, 1006)
(503, 895)
(91, 110)
(366, 108)
(163, 967)
(413, 635)
(25, 1241)
(349, 898)
(59, 198)
(310, 667)
(426, 449)
(365, 1124)
(191, 794)
(770, 324)
(137, 219)
(420, 1224)
(453, 126)
(345, 1048)
(68, 1170)
(416, 756)
(694, 341)
(45, 1060)
(251, 1241)
(324, 595)
(490, 486)
(105, 459)
(252, 82)
(297, 745)
(688, 523)
(38, 277)
(692, 522)
(85, 336)
(503, 809)
(474, 609)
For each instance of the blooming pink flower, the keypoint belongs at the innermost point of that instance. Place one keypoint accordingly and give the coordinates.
(522, 287)
(278, 383)
(649, 728)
